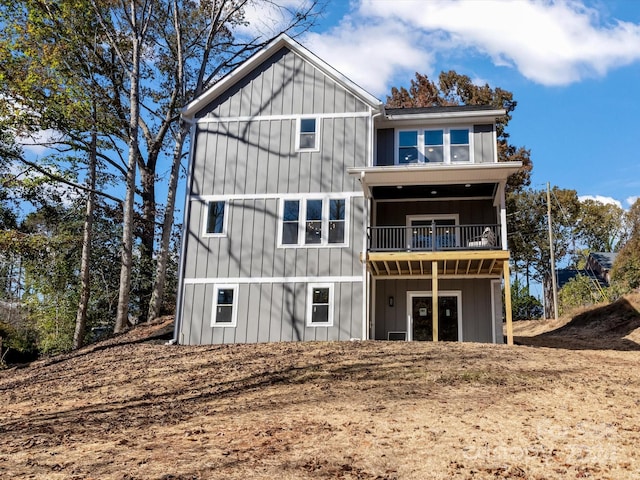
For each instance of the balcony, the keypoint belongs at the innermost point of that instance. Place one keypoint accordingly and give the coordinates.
(434, 238)
(431, 251)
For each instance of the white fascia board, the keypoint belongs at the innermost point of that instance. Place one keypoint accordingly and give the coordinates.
(483, 116)
(435, 174)
(283, 40)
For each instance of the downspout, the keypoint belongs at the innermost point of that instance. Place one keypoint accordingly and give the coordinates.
(187, 212)
(366, 283)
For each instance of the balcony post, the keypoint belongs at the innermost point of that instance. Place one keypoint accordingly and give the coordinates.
(434, 300)
(433, 235)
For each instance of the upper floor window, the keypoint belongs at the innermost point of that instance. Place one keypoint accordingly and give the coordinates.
(314, 222)
(307, 138)
(215, 224)
(448, 145)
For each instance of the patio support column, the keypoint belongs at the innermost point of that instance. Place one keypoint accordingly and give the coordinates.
(434, 299)
(507, 302)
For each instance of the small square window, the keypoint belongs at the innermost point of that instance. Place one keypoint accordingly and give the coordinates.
(308, 134)
(225, 311)
(215, 218)
(320, 305)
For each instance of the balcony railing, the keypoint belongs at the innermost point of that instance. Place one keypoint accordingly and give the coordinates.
(434, 238)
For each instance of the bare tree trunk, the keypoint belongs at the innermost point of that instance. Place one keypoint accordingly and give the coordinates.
(85, 265)
(124, 293)
(167, 224)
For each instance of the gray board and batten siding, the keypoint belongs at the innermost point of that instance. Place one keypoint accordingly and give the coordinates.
(244, 153)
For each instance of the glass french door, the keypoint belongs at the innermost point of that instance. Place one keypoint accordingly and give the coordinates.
(421, 318)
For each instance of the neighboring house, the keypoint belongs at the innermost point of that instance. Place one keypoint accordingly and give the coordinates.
(314, 213)
(598, 268)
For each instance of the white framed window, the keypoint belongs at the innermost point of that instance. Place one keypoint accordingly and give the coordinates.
(307, 134)
(225, 306)
(434, 145)
(215, 224)
(314, 221)
(320, 305)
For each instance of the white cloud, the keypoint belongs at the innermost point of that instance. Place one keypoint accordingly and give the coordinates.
(39, 143)
(372, 54)
(551, 42)
(631, 200)
(601, 199)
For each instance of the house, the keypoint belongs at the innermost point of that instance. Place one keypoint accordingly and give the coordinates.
(598, 269)
(315, 213)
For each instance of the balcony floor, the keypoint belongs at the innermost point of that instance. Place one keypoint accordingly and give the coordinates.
(448, 264)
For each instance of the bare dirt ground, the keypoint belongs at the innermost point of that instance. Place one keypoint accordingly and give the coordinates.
(129, 409)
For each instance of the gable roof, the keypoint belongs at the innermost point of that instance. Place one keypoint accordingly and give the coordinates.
(256, 59)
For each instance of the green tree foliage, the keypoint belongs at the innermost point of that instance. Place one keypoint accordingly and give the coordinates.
(524, 306)
(580, 291)
(625, 273)
(600, 225)
(456, 89)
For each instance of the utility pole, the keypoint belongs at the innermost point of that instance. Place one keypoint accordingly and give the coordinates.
(554, 286)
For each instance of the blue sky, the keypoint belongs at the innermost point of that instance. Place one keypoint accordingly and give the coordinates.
(573, 67)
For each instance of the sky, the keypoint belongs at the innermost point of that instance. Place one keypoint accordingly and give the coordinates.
(572, 66)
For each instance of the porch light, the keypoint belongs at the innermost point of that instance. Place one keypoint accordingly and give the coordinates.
(467, 185)
(434, 192)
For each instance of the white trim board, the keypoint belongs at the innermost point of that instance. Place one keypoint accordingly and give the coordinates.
(274, 196)
(261, 280)
(293, 116)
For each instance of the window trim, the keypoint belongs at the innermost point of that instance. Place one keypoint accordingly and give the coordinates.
(331, 305)
(316, 146)
(446, 145)
(225, 219)
(302, 220)
(234, 305)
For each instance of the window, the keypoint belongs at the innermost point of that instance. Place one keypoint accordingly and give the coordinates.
(314, 222)
(460, 145)
(320, 305)
(408, 147)
(290, 216)
(336, 220)
(313, 226)
(434, 146)
(215, 225)
(307, 138)
(225, 302)
(449, 145)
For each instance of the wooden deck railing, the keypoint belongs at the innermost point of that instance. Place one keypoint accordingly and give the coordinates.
(434, 238)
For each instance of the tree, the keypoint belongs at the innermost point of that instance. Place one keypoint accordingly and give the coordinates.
(529, 235)
(524, 306)
(599, 225)
(455, 89)
(140, 61)
(625, 273)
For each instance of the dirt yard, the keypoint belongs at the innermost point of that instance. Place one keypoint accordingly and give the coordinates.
(354, 410)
